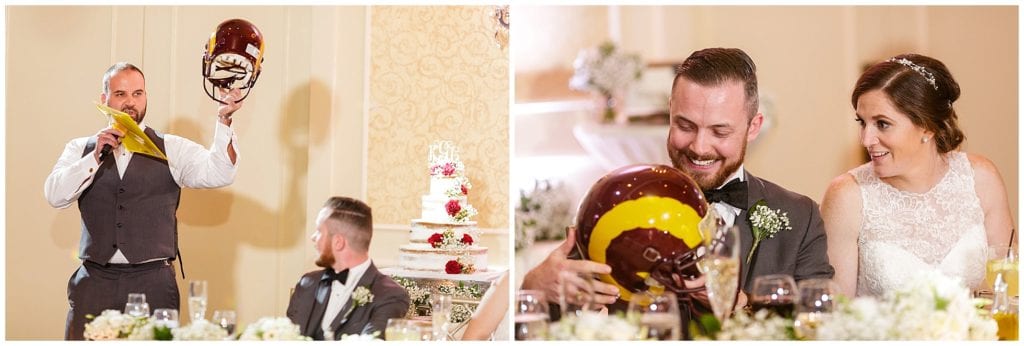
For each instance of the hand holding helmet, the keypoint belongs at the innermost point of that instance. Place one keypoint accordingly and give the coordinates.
(233, 59)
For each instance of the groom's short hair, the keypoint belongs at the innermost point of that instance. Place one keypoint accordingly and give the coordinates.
(716, 66)
(357, 215)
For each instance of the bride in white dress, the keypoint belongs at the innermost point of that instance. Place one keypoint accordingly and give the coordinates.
(920, 204)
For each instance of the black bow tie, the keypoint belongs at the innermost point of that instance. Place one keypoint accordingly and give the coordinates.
(734, 193)
(330, 275)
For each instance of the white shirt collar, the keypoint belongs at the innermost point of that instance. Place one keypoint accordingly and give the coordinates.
(356, 273)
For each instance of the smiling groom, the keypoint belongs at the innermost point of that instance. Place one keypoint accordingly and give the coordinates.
(349, 296)
(714, 114)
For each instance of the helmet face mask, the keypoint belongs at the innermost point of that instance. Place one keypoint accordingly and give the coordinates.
(233, 58)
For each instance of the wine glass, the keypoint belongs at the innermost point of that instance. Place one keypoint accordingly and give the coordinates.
(440, 313)
(777, 293)
(657, 315)
(576, 293)
(721, 267)
(166, 318)
(531, 318)
(225, 319)
(404, 330)
(136, 305)
(815, 305)
(197, 299)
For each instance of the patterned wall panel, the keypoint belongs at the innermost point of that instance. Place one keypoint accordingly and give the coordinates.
(436, 74)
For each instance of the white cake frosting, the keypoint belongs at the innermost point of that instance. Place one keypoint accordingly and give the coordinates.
(449, 226)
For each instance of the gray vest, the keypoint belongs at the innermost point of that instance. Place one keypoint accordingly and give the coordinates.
(136, 214)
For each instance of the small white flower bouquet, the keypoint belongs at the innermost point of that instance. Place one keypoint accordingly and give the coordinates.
(593, 325)
(112, 325)
(200, 330)
(273, 328)
(606, 71)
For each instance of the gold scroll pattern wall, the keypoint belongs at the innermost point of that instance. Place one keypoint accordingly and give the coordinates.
(436, 73)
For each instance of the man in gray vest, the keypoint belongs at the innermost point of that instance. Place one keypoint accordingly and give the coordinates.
(128, 201)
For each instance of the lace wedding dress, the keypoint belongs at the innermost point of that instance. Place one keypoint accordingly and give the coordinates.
(905, 232)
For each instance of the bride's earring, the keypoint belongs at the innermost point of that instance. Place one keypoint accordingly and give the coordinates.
(924, 139)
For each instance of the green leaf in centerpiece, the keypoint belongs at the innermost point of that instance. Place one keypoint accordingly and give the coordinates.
(162, 333)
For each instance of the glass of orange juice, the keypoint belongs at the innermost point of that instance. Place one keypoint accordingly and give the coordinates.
(1002, 259)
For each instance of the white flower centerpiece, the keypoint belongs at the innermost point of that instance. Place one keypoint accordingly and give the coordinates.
(200, 330)
(930, 306)
(112, 325)
(606, 71)
(273, 328)
(593, 325)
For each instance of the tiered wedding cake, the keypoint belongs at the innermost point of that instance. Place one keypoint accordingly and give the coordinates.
(444, 239)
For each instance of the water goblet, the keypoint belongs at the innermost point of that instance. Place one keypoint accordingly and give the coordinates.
(657, 315)
(225, 319)
(531, 315)
(165, 318)
(777, 293)
(197, 299)
(136, 305)
(815, 305)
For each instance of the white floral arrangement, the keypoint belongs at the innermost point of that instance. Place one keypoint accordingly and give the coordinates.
(763, 325)
(273, 328)
(605, 69)
(931, 306)
(593, 325)
(112, 325)
(362, 296)
(361, 337)
(543, 213)
(200, 330)
(765, 222)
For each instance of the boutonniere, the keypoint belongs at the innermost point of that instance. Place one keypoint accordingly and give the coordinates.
(765, 222)
(362, 296)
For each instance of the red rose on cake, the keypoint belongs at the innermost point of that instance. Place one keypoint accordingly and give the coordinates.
(465, 191)
(453, 267)
(453, 207)
(467, 239)
(435, 240)
(448, 170)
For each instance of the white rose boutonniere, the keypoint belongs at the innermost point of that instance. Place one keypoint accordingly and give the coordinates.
(765, 222)
(362, 296)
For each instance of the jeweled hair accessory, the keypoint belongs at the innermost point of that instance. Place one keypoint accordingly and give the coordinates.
(928, 76)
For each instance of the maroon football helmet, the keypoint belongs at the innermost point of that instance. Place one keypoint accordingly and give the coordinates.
(642, 221)
(233, 58)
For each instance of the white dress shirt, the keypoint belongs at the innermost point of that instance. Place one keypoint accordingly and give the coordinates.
(340, 295)
(727, 211)
(191, 166)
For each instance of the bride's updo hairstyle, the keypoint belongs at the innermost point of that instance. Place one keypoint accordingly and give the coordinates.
(923, 89)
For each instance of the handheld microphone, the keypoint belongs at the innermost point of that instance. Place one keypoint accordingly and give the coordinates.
(105, 152)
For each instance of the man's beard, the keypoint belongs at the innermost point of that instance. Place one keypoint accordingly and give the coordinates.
(326, 259)
(707, 181)
(139, 113)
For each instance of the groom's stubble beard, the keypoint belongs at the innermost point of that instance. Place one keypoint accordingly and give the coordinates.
(326, 259)
(681, 157)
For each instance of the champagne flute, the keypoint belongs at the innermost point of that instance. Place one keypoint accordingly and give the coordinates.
(225, 319)
(197, 299)
(136, 305)
(166, 318)
(777, 293)
(576, 294)
(531, 315)
(657, 315)
(815, 305)
(721, 266)
(440, 314)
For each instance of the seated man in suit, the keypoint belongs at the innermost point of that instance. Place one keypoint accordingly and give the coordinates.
(349, 296)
